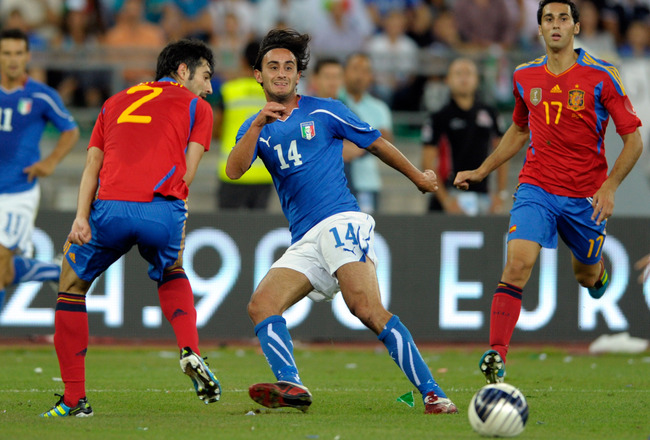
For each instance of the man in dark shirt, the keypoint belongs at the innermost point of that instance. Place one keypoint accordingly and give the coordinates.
(458, 137)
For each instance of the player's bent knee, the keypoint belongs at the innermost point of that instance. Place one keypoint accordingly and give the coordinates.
(69, 282)
(372, 316)
(252, 310)
(517, 270)
(258, 310)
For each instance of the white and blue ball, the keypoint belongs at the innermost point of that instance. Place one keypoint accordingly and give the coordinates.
(498, 410)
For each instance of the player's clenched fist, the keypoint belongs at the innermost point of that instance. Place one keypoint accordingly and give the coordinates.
(428, 181)
(80, 233)
(271, 112)
(464, 178)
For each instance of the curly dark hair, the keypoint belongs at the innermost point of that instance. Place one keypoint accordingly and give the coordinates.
(574, 10)
(186, 51)
(293, 41)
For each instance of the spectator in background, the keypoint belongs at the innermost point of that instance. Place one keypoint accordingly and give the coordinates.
(460, 136)
(244, 10)
(81, 27)
(523, 12)
(295, 14)
(637, 40)
(394, 56)
(446, 36)
(327, 78)
(232, 28)
(379, 9)
(229, 41)
(136, 42)
(619, 14)
(155, 11)
(79, 37)
(189, 19)
(241, 98)
(592, 38)
(341, 29)
(489, 28)
(362, 169)
(42, 19)
(485, 23)
(437, 6)
(420, 28)
(15, 19)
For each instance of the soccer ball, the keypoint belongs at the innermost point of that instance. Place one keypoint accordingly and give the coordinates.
(498, 410)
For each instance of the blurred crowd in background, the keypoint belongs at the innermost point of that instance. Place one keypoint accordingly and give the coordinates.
(92, 48)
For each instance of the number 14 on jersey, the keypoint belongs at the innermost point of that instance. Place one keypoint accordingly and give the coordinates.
(292, 155)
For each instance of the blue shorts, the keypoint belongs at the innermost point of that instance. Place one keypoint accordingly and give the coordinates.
(157, 227)
(539, 216)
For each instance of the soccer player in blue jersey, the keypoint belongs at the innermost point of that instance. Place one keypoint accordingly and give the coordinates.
(299, 138)
(26, 106)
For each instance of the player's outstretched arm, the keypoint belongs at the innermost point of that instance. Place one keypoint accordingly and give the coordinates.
(46, 166)
(426, 180)
(511, 142)
(192, 158)
(80, 232)
(603, 200)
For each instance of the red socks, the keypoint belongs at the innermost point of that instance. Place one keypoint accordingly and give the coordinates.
(71, 343)
(177, 304)
(506, 306)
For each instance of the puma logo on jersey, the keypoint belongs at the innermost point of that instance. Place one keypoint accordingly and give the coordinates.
(266, 141)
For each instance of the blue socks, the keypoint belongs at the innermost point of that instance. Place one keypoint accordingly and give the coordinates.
(28, 269)
(402, 349)
(278, 348)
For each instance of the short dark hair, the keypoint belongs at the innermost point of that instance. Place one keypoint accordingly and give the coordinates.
(355, 54)
(292, 40)
(250, 52)
(322, 62)
(186, 51)
(574, 10)
(14, 34)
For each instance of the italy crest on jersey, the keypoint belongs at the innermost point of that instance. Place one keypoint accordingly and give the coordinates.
(576, 100)
(24, 106)
(307, 130)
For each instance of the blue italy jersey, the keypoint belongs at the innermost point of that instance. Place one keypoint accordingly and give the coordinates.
(24, 113)
(304, 156)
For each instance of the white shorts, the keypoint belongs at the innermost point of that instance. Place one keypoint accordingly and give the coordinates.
(340, 239)
(17, 216)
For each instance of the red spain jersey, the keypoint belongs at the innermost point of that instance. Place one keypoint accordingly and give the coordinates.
(144, 132)
(567, 115)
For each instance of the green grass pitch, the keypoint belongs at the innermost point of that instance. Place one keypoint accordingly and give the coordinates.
(140, 393)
